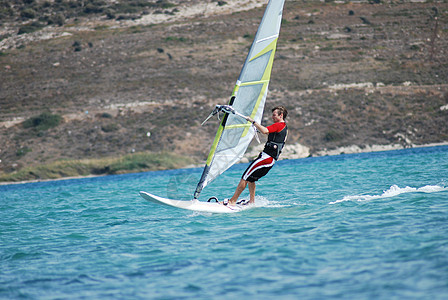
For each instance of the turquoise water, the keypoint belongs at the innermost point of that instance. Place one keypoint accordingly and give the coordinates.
(365, 226)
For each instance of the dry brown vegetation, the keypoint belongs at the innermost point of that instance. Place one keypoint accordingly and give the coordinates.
(122, 88)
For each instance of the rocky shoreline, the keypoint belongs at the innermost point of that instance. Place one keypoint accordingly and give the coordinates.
(295, 151)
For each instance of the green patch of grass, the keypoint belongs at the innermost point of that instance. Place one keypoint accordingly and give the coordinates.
(101, 27)
(137, 162)
(175, 39)
(146, 162)
(327, 48)
(23, 151)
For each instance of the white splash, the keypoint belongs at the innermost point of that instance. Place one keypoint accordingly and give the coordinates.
(392, 192)
(261, 201)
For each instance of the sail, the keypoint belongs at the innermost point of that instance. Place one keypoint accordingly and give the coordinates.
(248, 98)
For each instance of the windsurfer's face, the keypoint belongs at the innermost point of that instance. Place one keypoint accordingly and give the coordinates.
(277, 117)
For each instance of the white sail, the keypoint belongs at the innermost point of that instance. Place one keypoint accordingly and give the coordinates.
(248, 98)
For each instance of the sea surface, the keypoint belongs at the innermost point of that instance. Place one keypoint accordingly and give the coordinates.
(358, 226)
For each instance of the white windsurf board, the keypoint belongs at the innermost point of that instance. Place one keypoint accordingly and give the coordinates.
(195, 205)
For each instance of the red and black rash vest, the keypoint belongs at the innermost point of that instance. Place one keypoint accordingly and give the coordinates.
(278, 133)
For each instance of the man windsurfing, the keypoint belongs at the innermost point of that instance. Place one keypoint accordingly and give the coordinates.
(277, 135)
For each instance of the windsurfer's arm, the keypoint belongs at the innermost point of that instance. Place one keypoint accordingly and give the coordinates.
(260, 127)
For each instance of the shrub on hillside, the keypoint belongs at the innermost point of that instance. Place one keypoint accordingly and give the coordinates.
(58, 19)
(28, 13)
(109, 127)
(30, 27)
(93, 8)
(333, 136)
(42, 122)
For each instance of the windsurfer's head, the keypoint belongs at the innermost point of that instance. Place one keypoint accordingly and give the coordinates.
(281, 110)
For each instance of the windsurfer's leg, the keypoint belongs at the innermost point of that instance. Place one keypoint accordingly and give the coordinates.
(252, 187)
(239, 189)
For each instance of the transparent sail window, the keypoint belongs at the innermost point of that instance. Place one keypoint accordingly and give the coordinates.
(229, 139)
(256, 67)
(249, 95)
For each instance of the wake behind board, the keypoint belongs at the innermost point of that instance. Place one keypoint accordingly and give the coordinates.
(195, 205)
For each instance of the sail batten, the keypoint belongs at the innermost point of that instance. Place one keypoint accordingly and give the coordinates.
(267, 38)
(248, 98)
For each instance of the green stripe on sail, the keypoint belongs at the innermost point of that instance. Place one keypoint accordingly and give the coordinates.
(237, 126)
(264, 79)
(215, 144)
(268, 48)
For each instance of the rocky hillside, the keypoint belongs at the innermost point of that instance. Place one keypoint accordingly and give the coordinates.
(91, 79)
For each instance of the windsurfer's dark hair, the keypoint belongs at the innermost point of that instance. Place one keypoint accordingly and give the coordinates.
(281, 110)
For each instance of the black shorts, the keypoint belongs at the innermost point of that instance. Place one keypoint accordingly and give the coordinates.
(259, 167)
